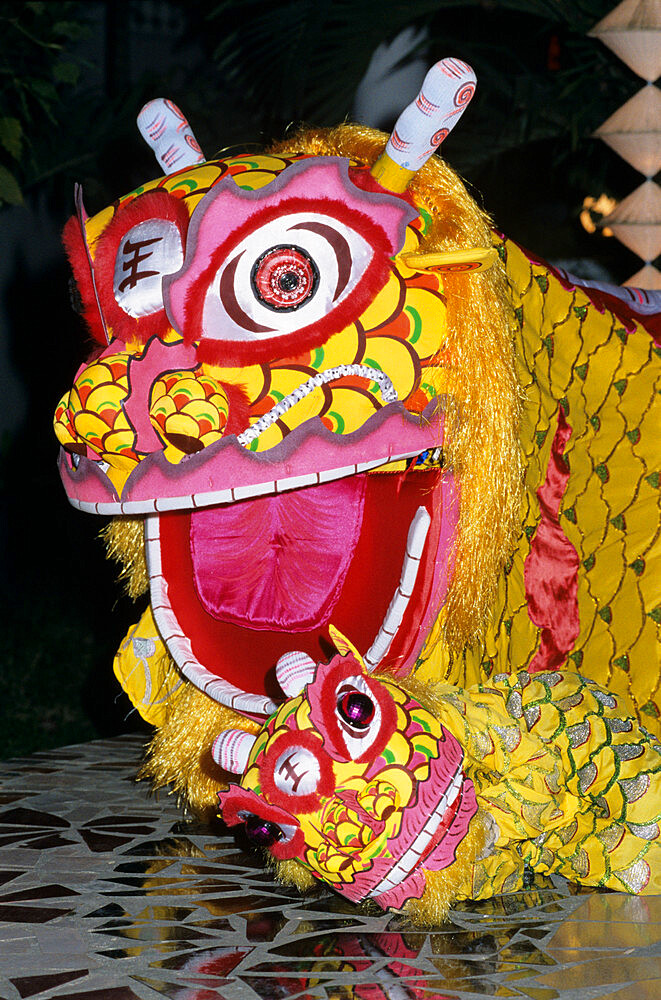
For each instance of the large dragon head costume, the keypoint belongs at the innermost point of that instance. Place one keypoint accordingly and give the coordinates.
(327, 399)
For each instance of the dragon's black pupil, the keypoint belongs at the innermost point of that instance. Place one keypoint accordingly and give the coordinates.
(262, 832)
(356, 709)
(289, 281)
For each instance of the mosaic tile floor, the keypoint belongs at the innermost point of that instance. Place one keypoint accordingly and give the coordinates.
(107, 893)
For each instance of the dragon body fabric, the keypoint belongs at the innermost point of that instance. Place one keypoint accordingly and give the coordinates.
(327, 399)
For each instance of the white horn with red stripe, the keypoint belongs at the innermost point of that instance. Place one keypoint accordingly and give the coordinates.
(166, 130)
(231, 750)
(422, 126)
(294, 670)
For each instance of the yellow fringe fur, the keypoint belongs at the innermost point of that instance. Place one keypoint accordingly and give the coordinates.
(125, 543)
(180, 753)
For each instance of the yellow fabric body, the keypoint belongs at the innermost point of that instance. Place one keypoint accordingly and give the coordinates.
(571, 779)
(570, 354)
(146, 671)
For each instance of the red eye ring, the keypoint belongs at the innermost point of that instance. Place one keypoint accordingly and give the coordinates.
(284, 278)
(343, 741)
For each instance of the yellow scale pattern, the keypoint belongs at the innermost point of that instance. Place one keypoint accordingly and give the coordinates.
(569, 776)
(601, 375)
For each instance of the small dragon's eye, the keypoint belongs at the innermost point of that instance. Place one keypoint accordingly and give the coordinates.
(284, 277)
(356, 709)
(261, 832)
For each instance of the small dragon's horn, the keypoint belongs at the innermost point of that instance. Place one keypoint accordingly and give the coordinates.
(294, 670)
(424, 124)
(166, 130)
(231, 750)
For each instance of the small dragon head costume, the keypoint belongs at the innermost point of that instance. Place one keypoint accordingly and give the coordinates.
(327, 399)
(412, 797)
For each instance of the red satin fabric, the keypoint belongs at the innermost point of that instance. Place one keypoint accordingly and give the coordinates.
(551, 569)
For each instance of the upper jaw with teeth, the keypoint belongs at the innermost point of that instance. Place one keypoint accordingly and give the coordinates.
(246, 466)
(233, 468)
(158, 427)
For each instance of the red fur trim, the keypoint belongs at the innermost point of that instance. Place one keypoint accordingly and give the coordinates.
(234, 800)
(156, 204)
(286, 849)
(74, 245)
(231, 352)
(292, 740)
(238, 416)
(322, 695)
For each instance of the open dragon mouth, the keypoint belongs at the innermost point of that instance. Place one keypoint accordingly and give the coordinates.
(235, 586)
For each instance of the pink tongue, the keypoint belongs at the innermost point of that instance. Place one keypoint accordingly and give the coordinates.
(277, 562)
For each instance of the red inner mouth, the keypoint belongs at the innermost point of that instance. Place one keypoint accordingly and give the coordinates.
(338, 564)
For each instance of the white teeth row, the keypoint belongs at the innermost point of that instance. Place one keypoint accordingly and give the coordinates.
(179, 645)
(194, 500)
(388, 393)
(415, 546)
(410, 859)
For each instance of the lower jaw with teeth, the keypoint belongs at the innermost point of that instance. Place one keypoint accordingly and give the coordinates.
(392, 873)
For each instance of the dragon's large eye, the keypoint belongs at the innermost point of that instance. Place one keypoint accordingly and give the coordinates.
(273, 272)
(358, 714)
(355, 709)
(354, 712)
(291, 272)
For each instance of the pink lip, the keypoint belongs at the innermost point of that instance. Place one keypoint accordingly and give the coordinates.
(430, 834)
(226, 472)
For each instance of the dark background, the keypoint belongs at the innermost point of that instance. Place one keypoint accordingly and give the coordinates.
(73, 77)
